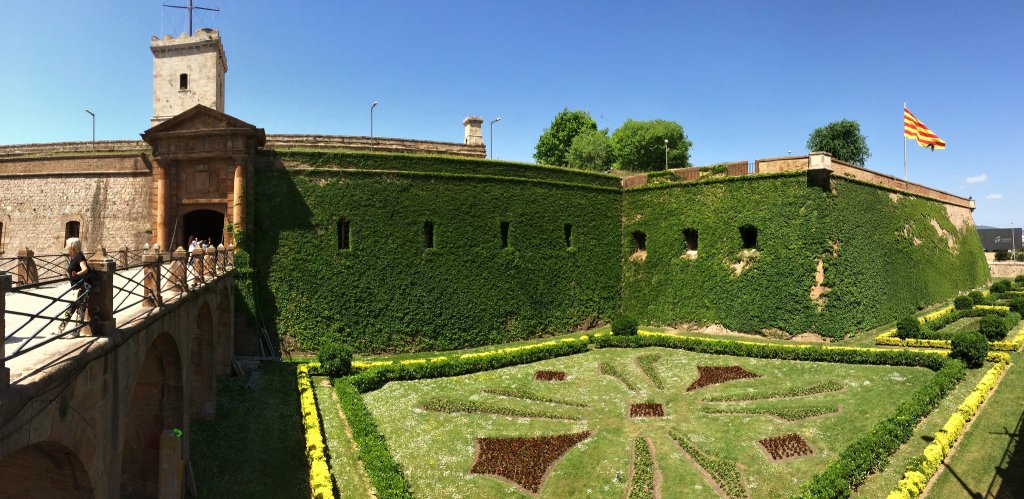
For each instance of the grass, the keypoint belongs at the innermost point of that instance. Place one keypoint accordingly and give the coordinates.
(346, 469)
(437, 450)
(254, 447)
(965, 324)
(990, 459)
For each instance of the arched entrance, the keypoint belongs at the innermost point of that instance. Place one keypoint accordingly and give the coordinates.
(44, 470)
(203, 395)
(157, 404)
(204, 224)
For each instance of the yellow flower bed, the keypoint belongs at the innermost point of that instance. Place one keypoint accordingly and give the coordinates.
(889, 338)
(319, 472)
(935, 315)
(488, 353)
(914, 481)
(1004, 308)
(1010, 345)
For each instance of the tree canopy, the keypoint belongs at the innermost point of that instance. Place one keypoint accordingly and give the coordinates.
(591, 150)
(554, 143)
(842, 139)
(640, 145)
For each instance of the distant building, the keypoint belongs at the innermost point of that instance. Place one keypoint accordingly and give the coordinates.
(1001, 239)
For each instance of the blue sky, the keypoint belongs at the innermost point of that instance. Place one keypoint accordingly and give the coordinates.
(746, 79)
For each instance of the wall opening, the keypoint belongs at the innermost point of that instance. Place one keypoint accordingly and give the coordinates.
(568, 235)
(639, 247)
(428, 234)
(72, 229)
(504, 234)
(748, 236)
(45, 469)
(344, 234)
(691, 239)
(205, 225)
(183, 81)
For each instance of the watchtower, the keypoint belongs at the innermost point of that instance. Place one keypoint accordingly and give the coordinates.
(187, 70)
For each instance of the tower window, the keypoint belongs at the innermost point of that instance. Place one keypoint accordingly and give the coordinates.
(691, 239)
(71, 229)
(504, 234)
(428, 234)
(568, 235)
(183, 81)
(748, 236)
(344, 234)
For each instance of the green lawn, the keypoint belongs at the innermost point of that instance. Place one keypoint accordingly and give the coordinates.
(437, 450)
(346, 469)
(965, 324)
(254, 447)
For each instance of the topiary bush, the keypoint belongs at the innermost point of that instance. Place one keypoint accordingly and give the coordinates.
(963, 303)
(908, 327)
(335, 359)
(1019, 280)
(993, 327)
(1000, 286)
(977, 298)
(1017, 305)
(970, 347)
(624, 325)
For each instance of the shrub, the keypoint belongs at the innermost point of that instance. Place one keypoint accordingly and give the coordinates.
(970, 347)
(1019, 279)
(963, 303)
(1001, 286)
(1017, 305)
(908, 327)
(993, 327)
(1002, 255)
(977, 297)
(624, 325)
(335, 359)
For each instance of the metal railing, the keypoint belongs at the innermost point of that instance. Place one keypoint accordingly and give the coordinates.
(58, 312)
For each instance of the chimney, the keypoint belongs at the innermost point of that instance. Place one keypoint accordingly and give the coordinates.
(474, 130)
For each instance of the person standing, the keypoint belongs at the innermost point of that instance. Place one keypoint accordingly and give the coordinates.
(78, 273)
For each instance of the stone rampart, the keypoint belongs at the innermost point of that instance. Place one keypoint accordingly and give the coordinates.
(56, 148)
(1006, 269)
(377, 144)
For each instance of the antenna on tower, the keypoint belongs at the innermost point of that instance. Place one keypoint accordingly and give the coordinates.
(190, 8)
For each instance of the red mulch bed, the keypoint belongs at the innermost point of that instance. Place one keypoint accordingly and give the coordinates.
(713, 375)
(647, 410)
(523, 460)
(549, 376)
(786, 446)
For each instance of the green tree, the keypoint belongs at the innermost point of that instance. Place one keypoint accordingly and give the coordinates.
(640, 145)
(553, 145)
(842, 139)
(591, 150)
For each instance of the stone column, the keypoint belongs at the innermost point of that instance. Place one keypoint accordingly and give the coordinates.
(196, 262)
(179, 274)
(238, 201)
(122, 257)
(154, 264)
(5, 286)
(171, 466)
(100, 309)
(163, 234)
(210, 262)
(27, 271)
(221, 259)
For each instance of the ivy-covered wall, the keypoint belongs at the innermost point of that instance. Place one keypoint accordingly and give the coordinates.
(880, 254)
(389, 292)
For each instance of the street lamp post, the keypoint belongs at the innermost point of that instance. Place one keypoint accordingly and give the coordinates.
(495, 120)
(666, 154)
(371, 119)
(93, 127)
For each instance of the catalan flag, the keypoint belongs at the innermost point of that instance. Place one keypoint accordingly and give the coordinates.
(914, 129)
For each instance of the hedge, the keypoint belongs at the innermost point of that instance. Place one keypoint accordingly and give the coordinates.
(384, 473)
(320, 482)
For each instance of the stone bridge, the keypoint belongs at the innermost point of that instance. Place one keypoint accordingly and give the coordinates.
(101, 408)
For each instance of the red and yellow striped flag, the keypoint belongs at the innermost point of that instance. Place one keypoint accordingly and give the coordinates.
(914, 129)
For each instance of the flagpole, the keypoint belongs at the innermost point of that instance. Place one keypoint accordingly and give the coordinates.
(905, 145)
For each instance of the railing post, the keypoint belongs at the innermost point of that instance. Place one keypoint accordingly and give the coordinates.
(27, 271)
(230, 256)
(179, 274)
(5, 286)
(210, 262)
(154, 264)
(122, 257)
(222, 259)
(197, 267)
(100, 311)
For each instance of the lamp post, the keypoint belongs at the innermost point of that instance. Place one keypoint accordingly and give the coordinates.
(666, 154)
(93, 127)
(495, 120)
(371, 118)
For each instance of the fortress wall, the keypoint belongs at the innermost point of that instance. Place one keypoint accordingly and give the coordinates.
(376, 144)
(108, 195)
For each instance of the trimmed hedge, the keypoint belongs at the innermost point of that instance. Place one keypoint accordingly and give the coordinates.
(385, 474)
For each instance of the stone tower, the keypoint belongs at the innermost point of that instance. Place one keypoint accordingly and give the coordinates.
(474, 134)
(187, 70)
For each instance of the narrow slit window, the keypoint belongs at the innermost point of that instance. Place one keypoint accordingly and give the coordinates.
(504, 234)
(344, 234)
(72, 229)
(639, 242)
(428, 234)
(568, 235)
(691, 239)
(748, 236)
(183, 81)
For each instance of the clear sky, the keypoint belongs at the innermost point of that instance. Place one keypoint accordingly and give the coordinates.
(746, 79)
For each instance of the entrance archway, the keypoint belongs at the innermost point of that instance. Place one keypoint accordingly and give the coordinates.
(44, 470)
(204, 224)
(157, 404)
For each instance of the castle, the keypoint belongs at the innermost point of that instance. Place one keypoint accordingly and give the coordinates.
(397, 244)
